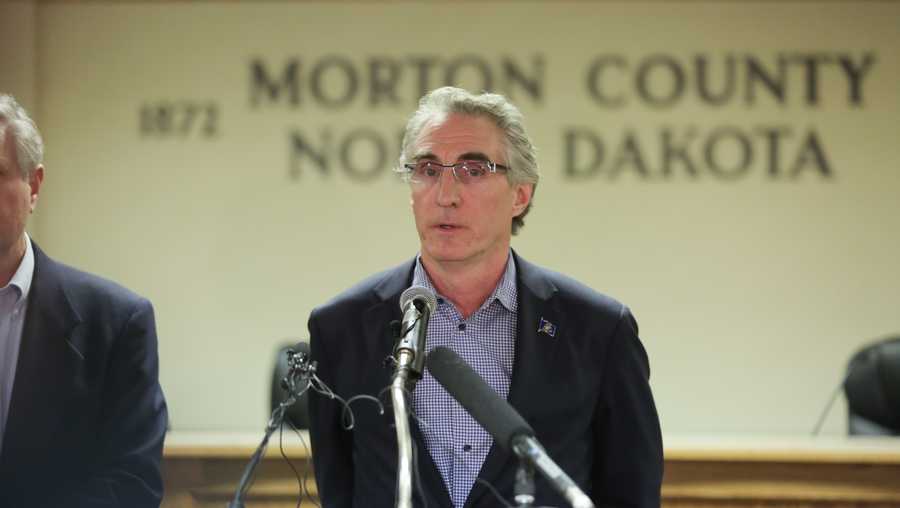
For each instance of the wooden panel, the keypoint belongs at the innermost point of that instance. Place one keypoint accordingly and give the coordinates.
(714, 483)
(202, 470)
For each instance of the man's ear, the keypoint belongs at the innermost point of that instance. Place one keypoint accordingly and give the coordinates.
(35, 180)
(523, 198)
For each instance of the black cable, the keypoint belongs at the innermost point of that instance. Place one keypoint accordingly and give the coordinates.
(494, 492)
(347, 413)
(290, 464)
(831, 401)
(249, 484)
(348, 420)
(299, 368)
(307, 469)
(409, 409)
(248, 477)
(411, 326)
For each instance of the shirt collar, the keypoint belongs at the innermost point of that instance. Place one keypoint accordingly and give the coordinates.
(505, 291)
(21, 280)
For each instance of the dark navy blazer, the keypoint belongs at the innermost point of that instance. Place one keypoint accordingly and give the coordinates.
(87, 416)
(585, 391)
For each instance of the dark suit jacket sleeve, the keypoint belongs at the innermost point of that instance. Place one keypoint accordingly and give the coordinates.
(133, 426)
(332, 445)
(629, 458)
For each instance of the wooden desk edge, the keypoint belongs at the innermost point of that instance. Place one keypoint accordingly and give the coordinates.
(779, 450)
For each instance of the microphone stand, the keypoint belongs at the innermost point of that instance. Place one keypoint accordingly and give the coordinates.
(416, 303)
(299, 369)
(410, 355)
(404, 438)
(523, 488)
(528, 450)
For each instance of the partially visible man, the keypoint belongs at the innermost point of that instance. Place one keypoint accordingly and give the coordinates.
(82, 415)
(566, 357)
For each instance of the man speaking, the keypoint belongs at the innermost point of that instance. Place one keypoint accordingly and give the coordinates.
(567, 358)
(82, 415)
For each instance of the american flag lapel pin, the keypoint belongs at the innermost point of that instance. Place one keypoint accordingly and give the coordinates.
(547, 327)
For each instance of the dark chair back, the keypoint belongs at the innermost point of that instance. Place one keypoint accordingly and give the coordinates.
(872, 388)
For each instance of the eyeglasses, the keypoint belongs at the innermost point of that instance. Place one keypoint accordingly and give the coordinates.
(426, 172)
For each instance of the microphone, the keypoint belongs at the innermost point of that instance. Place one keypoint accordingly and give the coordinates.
(299, 367)
(298, 354)
(504, 423)
(417, 303)
(297, 370)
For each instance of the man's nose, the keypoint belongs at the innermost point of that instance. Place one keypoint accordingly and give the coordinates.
(448, 188)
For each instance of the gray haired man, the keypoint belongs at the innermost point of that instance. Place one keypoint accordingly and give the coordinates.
(566, 357)
(82, 415)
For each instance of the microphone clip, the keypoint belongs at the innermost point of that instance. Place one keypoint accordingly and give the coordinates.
(300, 369)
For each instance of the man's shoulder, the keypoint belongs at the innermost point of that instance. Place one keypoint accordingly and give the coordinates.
(82, 287)
(370, 291)
(571, 292)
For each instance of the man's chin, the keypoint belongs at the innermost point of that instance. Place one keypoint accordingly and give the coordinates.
(447, 255)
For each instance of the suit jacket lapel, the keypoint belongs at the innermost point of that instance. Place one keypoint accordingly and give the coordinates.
(48, 362)
(377, 319)
(534, 352)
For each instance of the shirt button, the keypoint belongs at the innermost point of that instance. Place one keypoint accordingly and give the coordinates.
(467, 448)
(462, 327)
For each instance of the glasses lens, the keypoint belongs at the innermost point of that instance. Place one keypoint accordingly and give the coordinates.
(473, 170)
(425, 172)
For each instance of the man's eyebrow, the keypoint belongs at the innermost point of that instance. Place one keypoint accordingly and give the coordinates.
(425, 156)
(474, 156)
(468, 156)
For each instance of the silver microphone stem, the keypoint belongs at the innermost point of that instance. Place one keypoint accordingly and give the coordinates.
(417, 303)
(404, 439)
(527, 448)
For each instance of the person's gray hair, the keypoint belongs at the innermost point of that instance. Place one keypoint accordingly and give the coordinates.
(436, 105)
(29, 145)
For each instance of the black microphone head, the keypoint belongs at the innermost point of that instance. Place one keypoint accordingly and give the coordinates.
(421, 294)
(299, 358)
(477, 397)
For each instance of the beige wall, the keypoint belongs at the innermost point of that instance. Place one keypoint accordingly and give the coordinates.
(17, 51)
(751, 291)
(18, 60)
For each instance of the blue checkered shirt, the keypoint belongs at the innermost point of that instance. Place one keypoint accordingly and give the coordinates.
(486, 341)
